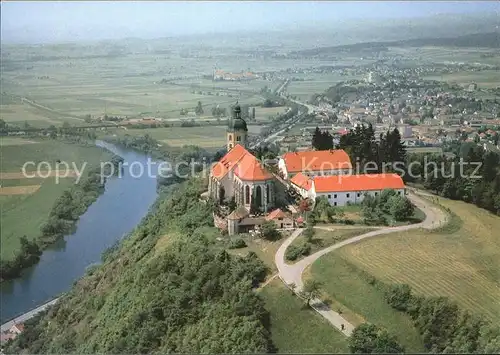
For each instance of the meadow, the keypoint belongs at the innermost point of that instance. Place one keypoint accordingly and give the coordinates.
(203, 136)
(485, 79)
(70, 82)
(325, 237)
(459, 260)
(446, 54)
(296, 328)
(348, 291)
(25, 209)
(315, 83)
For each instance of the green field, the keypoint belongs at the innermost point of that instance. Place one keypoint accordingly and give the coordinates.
(437, 150)
(315, 83)
(485, 79)
(24, 214)
(460, 261)
(446, 54)
(203, 136)
(353, 294)
(296, 328)
(323, 238)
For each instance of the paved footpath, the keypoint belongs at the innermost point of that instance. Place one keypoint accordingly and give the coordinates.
(292, 274)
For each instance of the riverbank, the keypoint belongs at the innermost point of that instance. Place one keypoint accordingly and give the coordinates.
(174, 256)
(68, 182)
(116, 212)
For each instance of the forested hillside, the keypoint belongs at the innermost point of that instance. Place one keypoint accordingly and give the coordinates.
(166, 288)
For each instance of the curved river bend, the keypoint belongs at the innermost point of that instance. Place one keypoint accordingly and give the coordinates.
(113, 215)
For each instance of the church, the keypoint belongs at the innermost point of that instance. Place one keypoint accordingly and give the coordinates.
(239, 174)
(312, 174)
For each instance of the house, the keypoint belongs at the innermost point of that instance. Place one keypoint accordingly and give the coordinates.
(17, 328)
(314, 163)
(239, 221)
(280, 218)
(343, 189)
(302, 184)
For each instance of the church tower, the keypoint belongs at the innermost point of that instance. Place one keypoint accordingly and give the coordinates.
(237, 131)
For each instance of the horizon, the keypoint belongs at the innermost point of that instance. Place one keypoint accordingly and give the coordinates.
(53, 22)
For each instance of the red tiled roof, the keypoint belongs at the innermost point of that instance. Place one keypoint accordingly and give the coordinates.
(315, 160)
(364, 182)
(248, 168)
(245, 166)
(222, 167)
(301, 180)
(277, 213)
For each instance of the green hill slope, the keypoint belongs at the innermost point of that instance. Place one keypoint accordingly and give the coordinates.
(166, 288)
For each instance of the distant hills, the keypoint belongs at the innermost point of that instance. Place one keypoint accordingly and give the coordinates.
(477, 40)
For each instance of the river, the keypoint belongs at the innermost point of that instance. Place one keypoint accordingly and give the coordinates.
(113, 215)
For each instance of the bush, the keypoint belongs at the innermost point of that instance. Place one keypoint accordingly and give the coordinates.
(308, 233)
(237, 243)
(370, 339)
(398, 296)
(293, 252)
(400, 208)
(269, 231)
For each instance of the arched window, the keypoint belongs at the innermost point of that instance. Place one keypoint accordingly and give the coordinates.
(247, 194)
(258, 196)
(268, 194)
(230, 137)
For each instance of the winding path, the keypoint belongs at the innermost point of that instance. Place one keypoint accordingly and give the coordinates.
(292, 274)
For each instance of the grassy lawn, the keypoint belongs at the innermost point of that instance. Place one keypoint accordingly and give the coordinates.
(324, 238)
(263, 113)
(354, 296)
(460, 261)
(264, 249)
(25, 214)
(296, 328)
(438, 150)
(354, 213)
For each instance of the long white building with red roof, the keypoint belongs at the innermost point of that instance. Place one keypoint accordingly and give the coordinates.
(343, 189)
(315, 163)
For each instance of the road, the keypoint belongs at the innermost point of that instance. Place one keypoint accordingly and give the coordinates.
(288, 124)
(292, 274)
(27, 315)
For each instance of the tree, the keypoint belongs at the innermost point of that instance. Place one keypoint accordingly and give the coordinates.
(308, 233)
(199, 109)
(311, 290)
(369, 339)
(269, 231)
(401, 208)
(399, 297)
(322, 140)
(267, 103)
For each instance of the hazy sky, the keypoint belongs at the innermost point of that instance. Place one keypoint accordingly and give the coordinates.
(47, 21)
